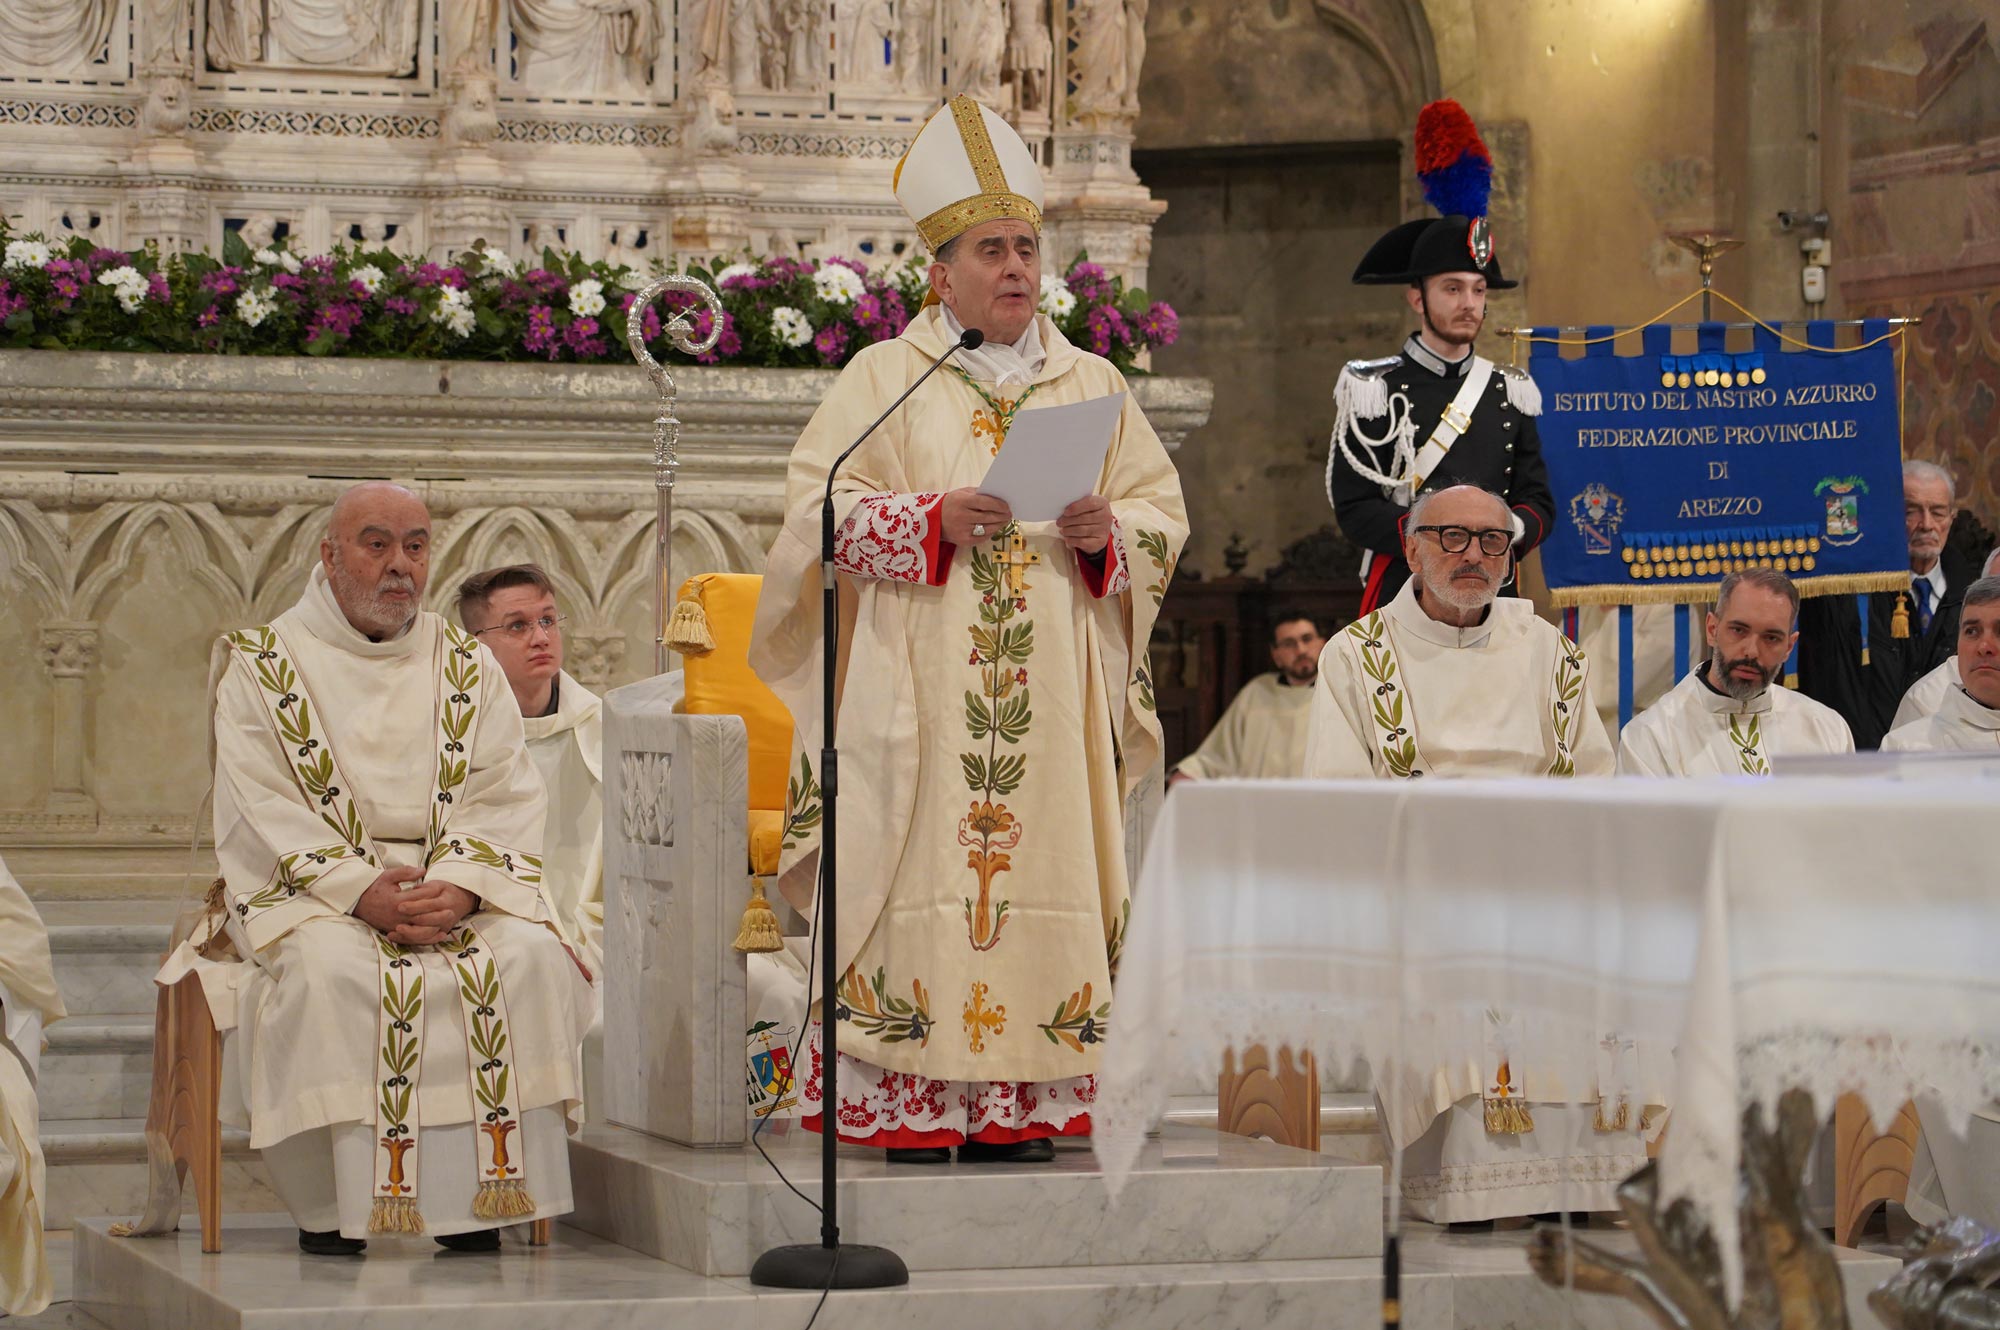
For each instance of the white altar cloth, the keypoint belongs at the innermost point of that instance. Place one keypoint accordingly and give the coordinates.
(1746, 935)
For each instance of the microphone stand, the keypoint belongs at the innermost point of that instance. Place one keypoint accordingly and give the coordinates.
(830, 1263)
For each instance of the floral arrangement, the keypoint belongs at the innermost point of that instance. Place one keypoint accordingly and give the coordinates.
(777, 312)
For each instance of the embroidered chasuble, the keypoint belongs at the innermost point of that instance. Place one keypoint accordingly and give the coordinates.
(28, 1002)
(1960, 724)
(1696, 731)
(567, 749)
(1262, 734)
(1926, 695)
(392, 1089)
(1403, 695)
(994, 715)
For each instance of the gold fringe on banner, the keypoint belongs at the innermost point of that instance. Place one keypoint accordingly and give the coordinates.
(395, 1214)
(1696, 593)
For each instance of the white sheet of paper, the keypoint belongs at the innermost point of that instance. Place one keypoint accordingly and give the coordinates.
(1052, 457)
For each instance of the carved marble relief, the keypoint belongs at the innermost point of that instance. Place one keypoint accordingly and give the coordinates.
(361, 37)
(55, 38)
(978, 47)
(585, 48)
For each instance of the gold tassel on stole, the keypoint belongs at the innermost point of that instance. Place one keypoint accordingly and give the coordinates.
(687, 631)
(395, 1214)
(505, 1199)
(759, 932)
(1617, 1121)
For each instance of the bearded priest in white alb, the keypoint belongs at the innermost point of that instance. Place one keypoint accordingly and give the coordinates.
(28, 1002)
(405, 1040)
(1724, 718)
(1448, 680)
(996, 709)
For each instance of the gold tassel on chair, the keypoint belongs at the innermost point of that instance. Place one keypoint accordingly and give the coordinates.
(759, 932)
(687, 632)
(1899, 621)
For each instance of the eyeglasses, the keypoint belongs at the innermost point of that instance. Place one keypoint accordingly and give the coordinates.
(520, 628)
(1493, 542)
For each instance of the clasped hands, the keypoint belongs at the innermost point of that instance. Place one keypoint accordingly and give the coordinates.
(1085, 525)
(416, 916)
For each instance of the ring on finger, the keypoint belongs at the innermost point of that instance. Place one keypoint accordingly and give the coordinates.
(979, 528)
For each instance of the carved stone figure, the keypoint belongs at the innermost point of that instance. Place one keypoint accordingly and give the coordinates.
(1100, 57)
(805, 44)
(164, 65)
(1135, 48)
(916, 45)
(864, 43)
(747, 22)
(584, 48)
(978, 46)
(50, 38)
(1030, 50)
(374, 37)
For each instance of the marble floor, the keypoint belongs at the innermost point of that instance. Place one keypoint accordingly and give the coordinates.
(581, 1282)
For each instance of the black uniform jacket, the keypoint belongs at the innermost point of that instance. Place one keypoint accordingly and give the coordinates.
(1500, 451)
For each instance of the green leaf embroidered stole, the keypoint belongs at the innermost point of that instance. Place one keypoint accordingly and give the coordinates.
(502, 1191)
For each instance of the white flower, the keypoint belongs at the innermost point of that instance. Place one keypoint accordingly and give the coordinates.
(1057, 299)
(288, 261)
(634, 280)
(586, 298)
(265, 257)
(499, 264)
(792, 327)
(837, 285)
(454, 310)
(129, 283)
(370, 277)
(254, 306)
(735, 270)
(26, 254)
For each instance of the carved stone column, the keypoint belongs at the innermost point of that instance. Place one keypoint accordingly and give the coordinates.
(1095, 200)
(69, 651)
(473, 209)
(160, 203)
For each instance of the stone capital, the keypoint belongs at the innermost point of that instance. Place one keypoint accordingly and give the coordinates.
(69, 649)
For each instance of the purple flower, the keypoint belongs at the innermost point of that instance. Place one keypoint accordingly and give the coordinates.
(831, 343)
(223, 282)
(1107, 329)
(745, 281)
(400, 305)
(157, 288)
(209, 317)
(108, 258)
(1160, 326)
(430, 274)
(1089, 283)
(855, 266)
(727, 347)
(10, 302)
(319, 265)
(546, 283)
(582, 339)
(649, 322)
(286, 282)
(541, 336)
(340, 319)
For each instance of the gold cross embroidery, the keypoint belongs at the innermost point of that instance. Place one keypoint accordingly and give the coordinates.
(1018, 559)
(982, 1020)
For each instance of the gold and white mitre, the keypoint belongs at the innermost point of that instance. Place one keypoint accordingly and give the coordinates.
(967, 166)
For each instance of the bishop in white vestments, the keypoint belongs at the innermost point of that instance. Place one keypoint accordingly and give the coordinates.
(1725, 717)
(28, 1002)
(1448, 680)
(406, 1030)
(996, 710)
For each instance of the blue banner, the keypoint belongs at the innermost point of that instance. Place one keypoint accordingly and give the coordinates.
(1671, 471)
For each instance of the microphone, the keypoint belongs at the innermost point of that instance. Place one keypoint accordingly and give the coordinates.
(969, 340)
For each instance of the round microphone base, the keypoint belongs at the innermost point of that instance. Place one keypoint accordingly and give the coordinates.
(812, 1265)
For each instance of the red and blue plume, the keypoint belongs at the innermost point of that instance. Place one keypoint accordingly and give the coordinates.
(1452, 161)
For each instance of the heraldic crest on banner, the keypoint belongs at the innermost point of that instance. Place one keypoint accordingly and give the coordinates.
(1597, 513)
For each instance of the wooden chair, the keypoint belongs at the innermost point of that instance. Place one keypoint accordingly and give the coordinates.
(1870, 1167)
(184, 1120)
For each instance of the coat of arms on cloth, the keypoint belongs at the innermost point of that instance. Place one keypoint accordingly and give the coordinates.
(768, 1078)
(1843, 507)
(1598, 514)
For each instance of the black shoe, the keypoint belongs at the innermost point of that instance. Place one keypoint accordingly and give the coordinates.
(1469, 1226)
(330, 1244)
(930, 1154)
(1039, 1151)
(478, 1240)
(1577, 1218)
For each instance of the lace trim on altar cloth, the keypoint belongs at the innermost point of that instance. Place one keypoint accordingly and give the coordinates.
(1582, 1170)
(893, 538)
(891, 1108)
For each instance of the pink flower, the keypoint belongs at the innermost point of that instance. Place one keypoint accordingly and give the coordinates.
(340, 319)
(546, 283)
(223, 282)
(209, 317)
(1107, 329)
(855, 266)
(430, 274)
(1089, 283)
(157, 288)
(541, 337)
(727, 347)
(581, 337)
(286, 282)
(11, 303)
(108, 258)
(1160, 326)
(831, 343)
(650, 325)
(1020, 676)
(973, 659)
(400, 305)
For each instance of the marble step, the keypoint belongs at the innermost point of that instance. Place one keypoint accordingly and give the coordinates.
(1196, 1195)
(97, 1065)
(97, 1167)
(106, 952)
(260, 1282)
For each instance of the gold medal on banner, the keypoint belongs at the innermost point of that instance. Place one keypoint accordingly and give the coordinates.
(1667, 379)
(1809, 562)
(1757, 375)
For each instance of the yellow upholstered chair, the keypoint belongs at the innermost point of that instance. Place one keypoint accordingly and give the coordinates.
(718, 681)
